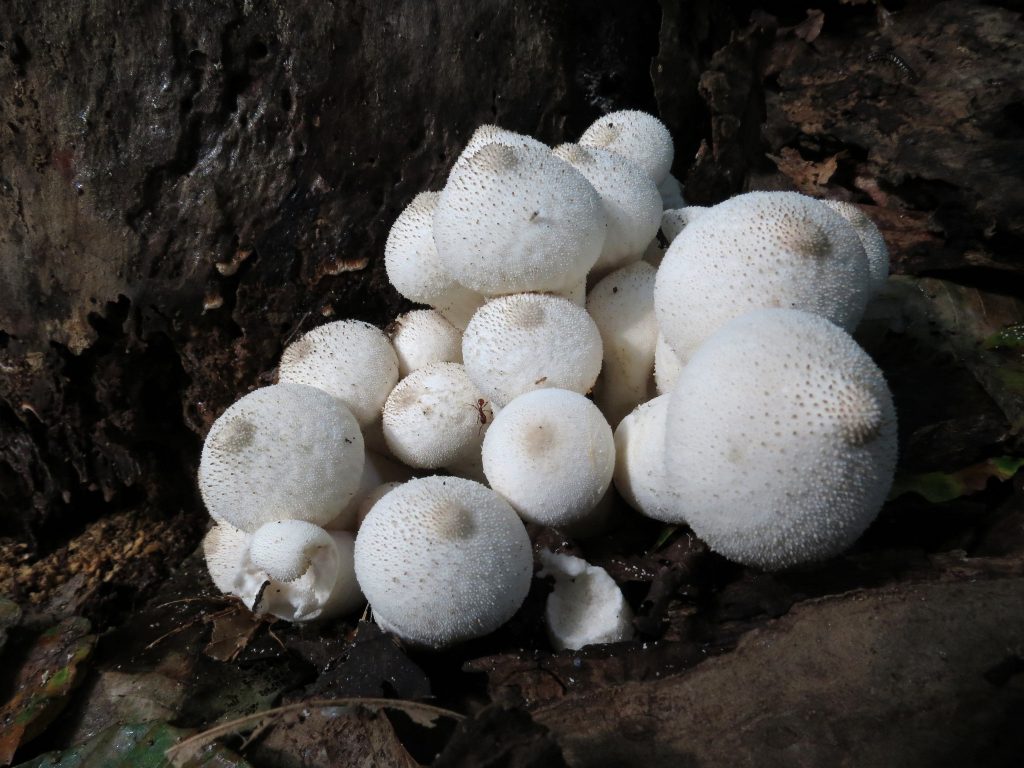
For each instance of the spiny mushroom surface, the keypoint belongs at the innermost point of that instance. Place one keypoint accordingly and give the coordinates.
(640, 460)
(443, 560)
(424, 336)
(870, 238)
(780, 441)
(761, 249)
(516, 218)
(283, 451)
(528, 341)
(550, 453)
(641, 137)
(350, 359)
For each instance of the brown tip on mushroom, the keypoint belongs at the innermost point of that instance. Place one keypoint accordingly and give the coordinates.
(494, 158)
(860, 415)
(604, 134)
(235, 437)
(574, 154)
(812, 241)
(453, 522)
(526, 315)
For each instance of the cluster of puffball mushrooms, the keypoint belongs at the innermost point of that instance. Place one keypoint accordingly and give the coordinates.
(725, 392)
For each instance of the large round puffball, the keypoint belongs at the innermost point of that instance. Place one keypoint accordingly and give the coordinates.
(413, 267)
(516, 218)
(325, 585)
(286, 451)
(443, 560)
(870, 238)
(350, 359)
(423, 336)
(550, 453)
(780, 440)
(641, 137)
(529, 341)
(436, 418)
(761, 249)
(630, 198)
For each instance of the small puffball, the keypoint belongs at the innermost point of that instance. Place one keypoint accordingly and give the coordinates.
(586, 606)
(671, 192)
(372, 498)
(435, 417)
(327, 588)
(423, 336)
(551, 455)
(413, 267)
(516, 218)
(286, 451)
(528, 341)
(622, 307)
(761, 249)
(350, 359)
(284, 549)
(630, 198)
(443, 560)
(377, 469)
(780, 440)
(641, 137)
(675, 221)
(640, 458)
(870, 237)
(667, 366)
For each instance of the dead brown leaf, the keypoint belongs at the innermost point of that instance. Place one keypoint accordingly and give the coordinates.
(808, 176)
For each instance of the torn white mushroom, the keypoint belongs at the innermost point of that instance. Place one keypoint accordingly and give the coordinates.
(586, 606)
(325, 586)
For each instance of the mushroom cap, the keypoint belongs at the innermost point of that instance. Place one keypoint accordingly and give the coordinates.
(622, 307)
(586, 606)
(285, 549)
(373, 497)
(870, 237)
(377, 469)
(435, 417)
(528, 341)
(761, 249)
(640, 459)
(424, 336)
(780, 440)
(443, 560)
(516, 218)
(284, 451)
(630, 198)
(413, 267)
(667, 366)
(494, 134)
(551, 455)
(350, 359)
(675, 220)
(641, 137)
(326, 589)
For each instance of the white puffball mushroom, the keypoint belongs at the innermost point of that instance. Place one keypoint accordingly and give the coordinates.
(494, 134)
(285, 549)
(655, 252)
(640, 459)
(516, 218)
(760, 249)
(283, 451)
(870, 237)
(675, 220)
(780, 440)
(586, 606)
(436, 417)
(671, 192)
(630, 199)
(528, 341)
(641, 137)
(377, 469)
(667, 366)
(424, 336)
(413, 267)
(373, 497)
(326, 588)
(443, 560)
(349, 359)
(551, 455)
(622, 307)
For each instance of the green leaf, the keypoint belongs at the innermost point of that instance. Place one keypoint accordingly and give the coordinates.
(938, 487)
